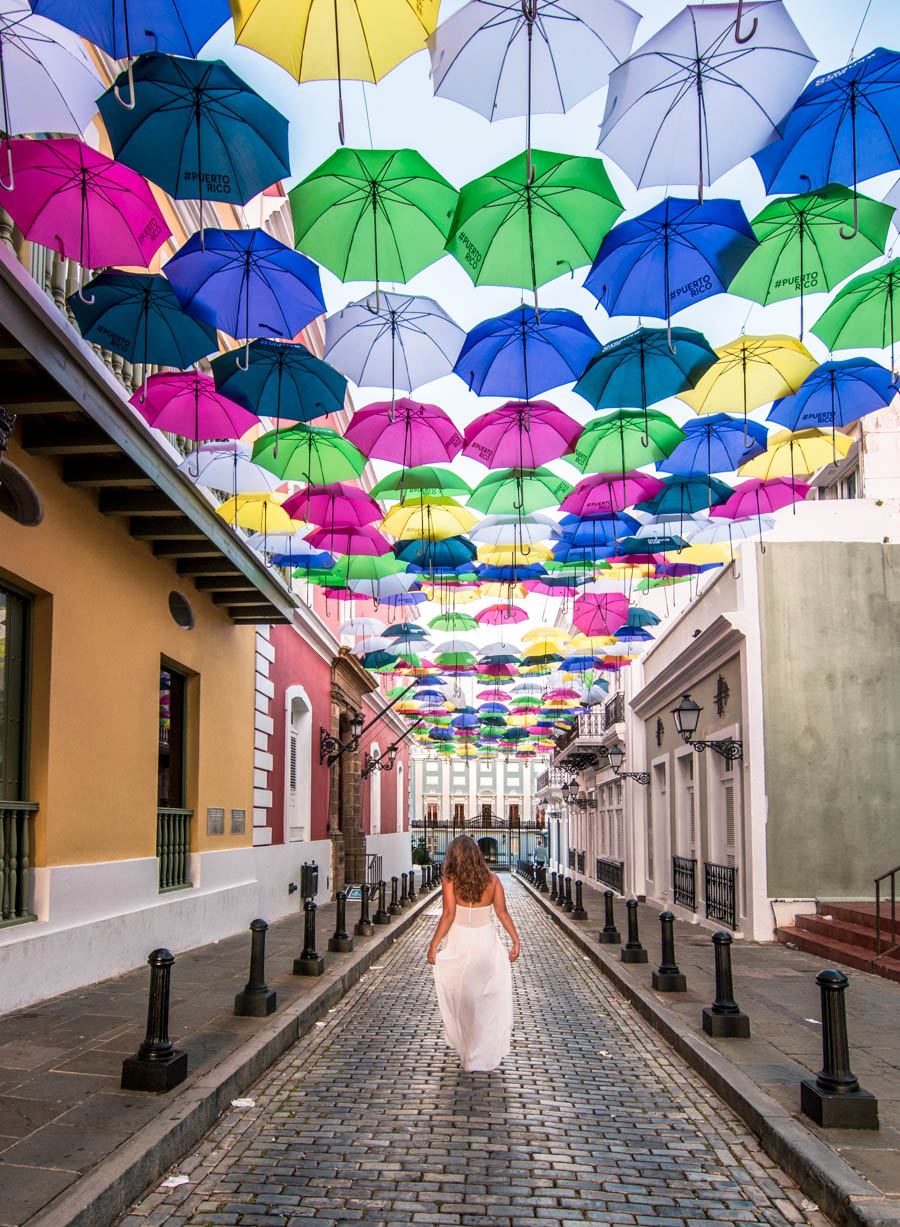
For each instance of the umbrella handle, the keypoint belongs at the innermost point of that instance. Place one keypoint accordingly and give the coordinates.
(8, 187)
(855, 231)
(743, 38)
(245, 365)
(87, 301)
(129, 106)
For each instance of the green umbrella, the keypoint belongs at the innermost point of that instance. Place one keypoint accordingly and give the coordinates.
(509, 231)
(508, 491)
(365, 566)
(865, 314)
(616, 442)
(803, 244)
(373, 214)
(425, 479)
(453, 622)
(315, 454)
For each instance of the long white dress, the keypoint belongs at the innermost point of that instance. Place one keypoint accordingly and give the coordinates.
(474, 988)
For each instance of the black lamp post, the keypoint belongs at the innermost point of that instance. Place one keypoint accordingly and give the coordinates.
(687, 718)
(616, 758)
(331, 747)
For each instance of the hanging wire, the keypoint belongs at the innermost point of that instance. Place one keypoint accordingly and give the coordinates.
(858, 32)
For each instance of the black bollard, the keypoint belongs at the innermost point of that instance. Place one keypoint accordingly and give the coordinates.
(157, 1065)
(257, 1000)
(554, 895)
(579, 913)
(309, 962)
(364, 926)
(724, 1019)
(609, 935)
(394, 905)
(542, 879)
(669, 978)
(341, 942)
(411, 893)
(834, 1099)
(404, 891)
(633, 951)
(568, 906)
(382, 916)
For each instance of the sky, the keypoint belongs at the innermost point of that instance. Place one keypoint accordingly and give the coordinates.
(402, 111)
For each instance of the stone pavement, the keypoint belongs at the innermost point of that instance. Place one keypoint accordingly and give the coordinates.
(369, 1119)
(65, 1124)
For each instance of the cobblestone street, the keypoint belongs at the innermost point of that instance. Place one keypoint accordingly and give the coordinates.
(590, 1119)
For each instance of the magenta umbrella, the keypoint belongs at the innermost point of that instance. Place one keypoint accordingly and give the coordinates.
(544, 589)
(337, 505)
(599, 613)
(756, 497)
(521, 434)
(350, 540)
(82, 204)
(404, 431)
(497, 615)
(187, 403)
(605, 493)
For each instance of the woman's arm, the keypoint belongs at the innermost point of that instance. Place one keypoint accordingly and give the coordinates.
(505, 919)
(449, 900)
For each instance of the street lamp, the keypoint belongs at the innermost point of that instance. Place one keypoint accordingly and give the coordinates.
(616, 758)
(332, 747)
(376, 761)
(687, 718)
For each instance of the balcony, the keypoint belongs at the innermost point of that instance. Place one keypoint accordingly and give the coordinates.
(594, 728)
(16, 843)
(553, 777)
(173, 847)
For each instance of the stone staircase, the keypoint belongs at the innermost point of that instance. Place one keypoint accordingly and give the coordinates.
(845, 933)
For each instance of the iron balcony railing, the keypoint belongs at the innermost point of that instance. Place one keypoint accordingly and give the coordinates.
(614, 709)
(173, 847)
(579, 862)
(721, 893)
(571, 858)
(611, 873)
(684, 881)
(593, 724)
(16, 845)
(553, 777)
(890, 876)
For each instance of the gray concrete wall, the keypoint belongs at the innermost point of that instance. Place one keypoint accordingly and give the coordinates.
(830, 627)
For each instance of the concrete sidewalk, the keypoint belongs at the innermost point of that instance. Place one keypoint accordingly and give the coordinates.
(74, 1147)
(776, 987)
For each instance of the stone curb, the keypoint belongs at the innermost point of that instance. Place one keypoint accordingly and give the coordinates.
(838, 1190)
(102, 1195)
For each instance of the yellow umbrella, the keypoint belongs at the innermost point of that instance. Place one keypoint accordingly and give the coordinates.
(507, 591)
(260, 512)
(802, 451)
(548, 633)
(327, 40)
(750, 372)
(513, 555)
(590, 645)
(429, 519)
(700, 555)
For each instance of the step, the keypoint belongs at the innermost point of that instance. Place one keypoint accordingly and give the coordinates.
(839, 952)
(841, 931)
(858, 913)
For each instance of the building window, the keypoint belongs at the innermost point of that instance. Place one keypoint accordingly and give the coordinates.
(686, 812)
(171, 764)
(459, 814)
(298, 754)
(486, 814)
(375, 794)
(400, 821)
(431, 811)
(15, 633)
(514, 814)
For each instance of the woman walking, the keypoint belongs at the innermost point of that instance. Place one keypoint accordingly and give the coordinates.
(472, 973)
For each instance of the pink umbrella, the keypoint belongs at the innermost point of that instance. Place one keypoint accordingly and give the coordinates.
(544, 589)
(562, 692)
(404, 431)
(337, 504)
(521, 434)
(496, 615)
(187, 403)
(499, 670)
(756, 497)
(603, 493)
(599, 613)
(350, 540)
(498, 696)
(82, 204)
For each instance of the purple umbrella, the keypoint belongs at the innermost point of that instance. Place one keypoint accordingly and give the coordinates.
(404, 431)
(363, 540)
(337, 505)
(521, 434)
(187, 403)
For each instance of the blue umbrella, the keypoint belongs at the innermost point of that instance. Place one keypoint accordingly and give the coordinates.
(572, 526)
(641, 617)
(509, 575)
(651, 545)
(714, 444)
(404, 630)
(645, 366)
(677, 253)
(684, 495)
(179, 26)
(246, 282)
(448, 554)
(138, 316)
(197, 130)
(517, 355)
(844, 127)
(834, 394)
(280, 381)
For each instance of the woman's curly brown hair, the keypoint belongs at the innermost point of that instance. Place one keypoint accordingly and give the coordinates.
(465, 866)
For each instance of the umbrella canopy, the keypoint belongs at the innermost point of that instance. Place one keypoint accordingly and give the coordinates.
(628, 437)
(514, 491)
(138, 316)
(82, 204)
(524, 434)
(405, 432)
(603, 493)
(714, 444)
(522, 225)
(314, 454)
(280, 380)
(227, 466)
(599, 613)
(246, 282)
(685, 494)
(517, 354)
(187, 403)
(179, 26)
(362, 626)
(393, 341)
(335, 505)
(677, 253)
(692, 102)
(754, 497)
(196, 129)
(808, 244)
(424, 479)
(373, 214)
(260, 512)
(363, 540)
(865, 313)
(423, 555)
(432, 520)
(501, 615)
(750, 372)
(836, 393)
(803, 451)
(508, 529)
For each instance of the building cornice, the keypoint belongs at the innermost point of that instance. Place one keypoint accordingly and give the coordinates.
(708, 651)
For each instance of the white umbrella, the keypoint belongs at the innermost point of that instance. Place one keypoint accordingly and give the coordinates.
(693, 101)
(228, 467)
(721, 531)
(456, 645)
(374, 643)
(388, 585)
(362, 626)
(513, 530)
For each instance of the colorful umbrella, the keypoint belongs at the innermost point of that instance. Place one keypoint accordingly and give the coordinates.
(834, 394)
(512, 491)
(714, 444)
(631, 437)
(336, 505)
(405, 432)
(187, 403)
(359, 541)
(754, 497)
(523, 434)
(802, 451)
(599, 613)
(603, 493)
(259, 512)
(519, 355)
(424, 479)
(314, 454)
(431, 520)
(501, 615)
(864, 313)
(227, 466)
(179, 26)
(280, 381)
